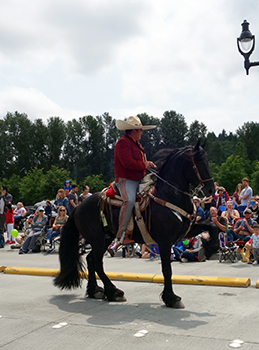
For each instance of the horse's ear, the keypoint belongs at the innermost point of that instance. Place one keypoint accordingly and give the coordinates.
(196, 148)
(203, 145)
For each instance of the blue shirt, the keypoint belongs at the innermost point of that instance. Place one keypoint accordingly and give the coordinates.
(200, 212)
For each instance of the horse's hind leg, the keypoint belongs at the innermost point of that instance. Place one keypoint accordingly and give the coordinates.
(169, 298)
(93, 290)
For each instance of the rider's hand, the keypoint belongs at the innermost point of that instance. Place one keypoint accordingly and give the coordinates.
(149, 164)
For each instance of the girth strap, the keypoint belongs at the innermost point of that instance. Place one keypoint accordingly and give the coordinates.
(142, 226)
(184, 213)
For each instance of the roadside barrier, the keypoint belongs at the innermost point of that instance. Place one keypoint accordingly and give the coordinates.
(139, 277)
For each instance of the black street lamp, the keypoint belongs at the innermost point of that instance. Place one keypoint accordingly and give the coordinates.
(246, 45)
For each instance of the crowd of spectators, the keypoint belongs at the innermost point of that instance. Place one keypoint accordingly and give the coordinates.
(236, 215)
(45, 220)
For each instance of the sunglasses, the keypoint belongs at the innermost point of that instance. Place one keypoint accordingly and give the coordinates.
(62, 209)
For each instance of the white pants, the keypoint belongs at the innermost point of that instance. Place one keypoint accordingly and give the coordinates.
(9, 228)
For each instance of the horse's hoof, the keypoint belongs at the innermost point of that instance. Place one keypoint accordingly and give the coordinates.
(98, 293)
(120, 298)
(177, 305)
(117, 295)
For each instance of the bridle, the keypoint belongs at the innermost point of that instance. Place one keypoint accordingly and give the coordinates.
(198, 188)
(201, 181)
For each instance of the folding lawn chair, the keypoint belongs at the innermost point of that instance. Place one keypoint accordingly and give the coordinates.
(227, 252)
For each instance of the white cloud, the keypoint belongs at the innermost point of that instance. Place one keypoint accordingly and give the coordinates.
(127, 57)
(34, 103)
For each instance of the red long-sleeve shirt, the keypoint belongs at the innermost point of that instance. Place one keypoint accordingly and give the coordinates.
(9, 217)
(129, 161)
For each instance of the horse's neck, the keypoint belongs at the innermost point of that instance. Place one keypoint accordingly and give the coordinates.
(175, 177)
(175, 187)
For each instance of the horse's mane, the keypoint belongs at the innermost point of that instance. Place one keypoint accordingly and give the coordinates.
(162, 156)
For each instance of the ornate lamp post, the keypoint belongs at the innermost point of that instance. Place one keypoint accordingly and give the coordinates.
(246, 45)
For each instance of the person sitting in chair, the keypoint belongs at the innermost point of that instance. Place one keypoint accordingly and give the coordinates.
(130, 164)
(38, 222)
(243, 228)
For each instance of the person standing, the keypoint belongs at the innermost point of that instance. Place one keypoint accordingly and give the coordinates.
(85, 193)
(72, 198)
(255, 243)
(61, 199)
(245, 195)
(9, 223)
(130, 165)
(4, 199)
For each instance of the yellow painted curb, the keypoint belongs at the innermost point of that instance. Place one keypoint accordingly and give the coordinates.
(2, 268)
(129, 276)
(141, 277)
(30, 271)
(207, 280)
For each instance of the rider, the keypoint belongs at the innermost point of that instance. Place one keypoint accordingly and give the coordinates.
(130, 165)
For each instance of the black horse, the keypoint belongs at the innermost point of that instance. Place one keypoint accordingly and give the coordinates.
(177, 169)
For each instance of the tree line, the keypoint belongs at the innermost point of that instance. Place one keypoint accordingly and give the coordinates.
(37, 157)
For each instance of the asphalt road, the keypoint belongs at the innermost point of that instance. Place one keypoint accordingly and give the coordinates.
(214, 316)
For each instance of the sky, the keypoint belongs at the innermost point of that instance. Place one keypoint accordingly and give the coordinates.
(72, 58)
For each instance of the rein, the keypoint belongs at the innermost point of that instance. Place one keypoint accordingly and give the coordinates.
(197, 188)
(191, 217)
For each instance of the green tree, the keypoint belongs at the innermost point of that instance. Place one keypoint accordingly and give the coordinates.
(32, 186)
(196, 131)
(248, 134)
(55, 140)
(95, 150)
(150, 139)
(255, 179)
(54, 180)
(5, 154)
(73, 156)
(95, 183)
(173, 130)
(38, 150)
(111, 135)
(214, 169)
(13, 184)
(19, 132)
(231, 173)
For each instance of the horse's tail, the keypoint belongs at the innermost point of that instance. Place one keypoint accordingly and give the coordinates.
(69, 257)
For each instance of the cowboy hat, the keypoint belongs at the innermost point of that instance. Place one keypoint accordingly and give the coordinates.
(195, 198)
(132, 123)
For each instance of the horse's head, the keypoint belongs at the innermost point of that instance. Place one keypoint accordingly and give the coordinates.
(181, 167)
(201, 176)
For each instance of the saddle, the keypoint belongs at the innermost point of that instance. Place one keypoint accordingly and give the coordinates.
(111, 197)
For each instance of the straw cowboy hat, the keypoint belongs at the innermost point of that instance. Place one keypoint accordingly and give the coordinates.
(132, 123)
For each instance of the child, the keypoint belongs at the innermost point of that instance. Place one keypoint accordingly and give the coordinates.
(9, 223)
(196, 252)
(255, 243)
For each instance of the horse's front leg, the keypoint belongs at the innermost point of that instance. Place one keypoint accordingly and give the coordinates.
(111, 292)
(169, 298)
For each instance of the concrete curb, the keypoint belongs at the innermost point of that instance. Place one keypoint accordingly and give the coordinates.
(139, 277)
